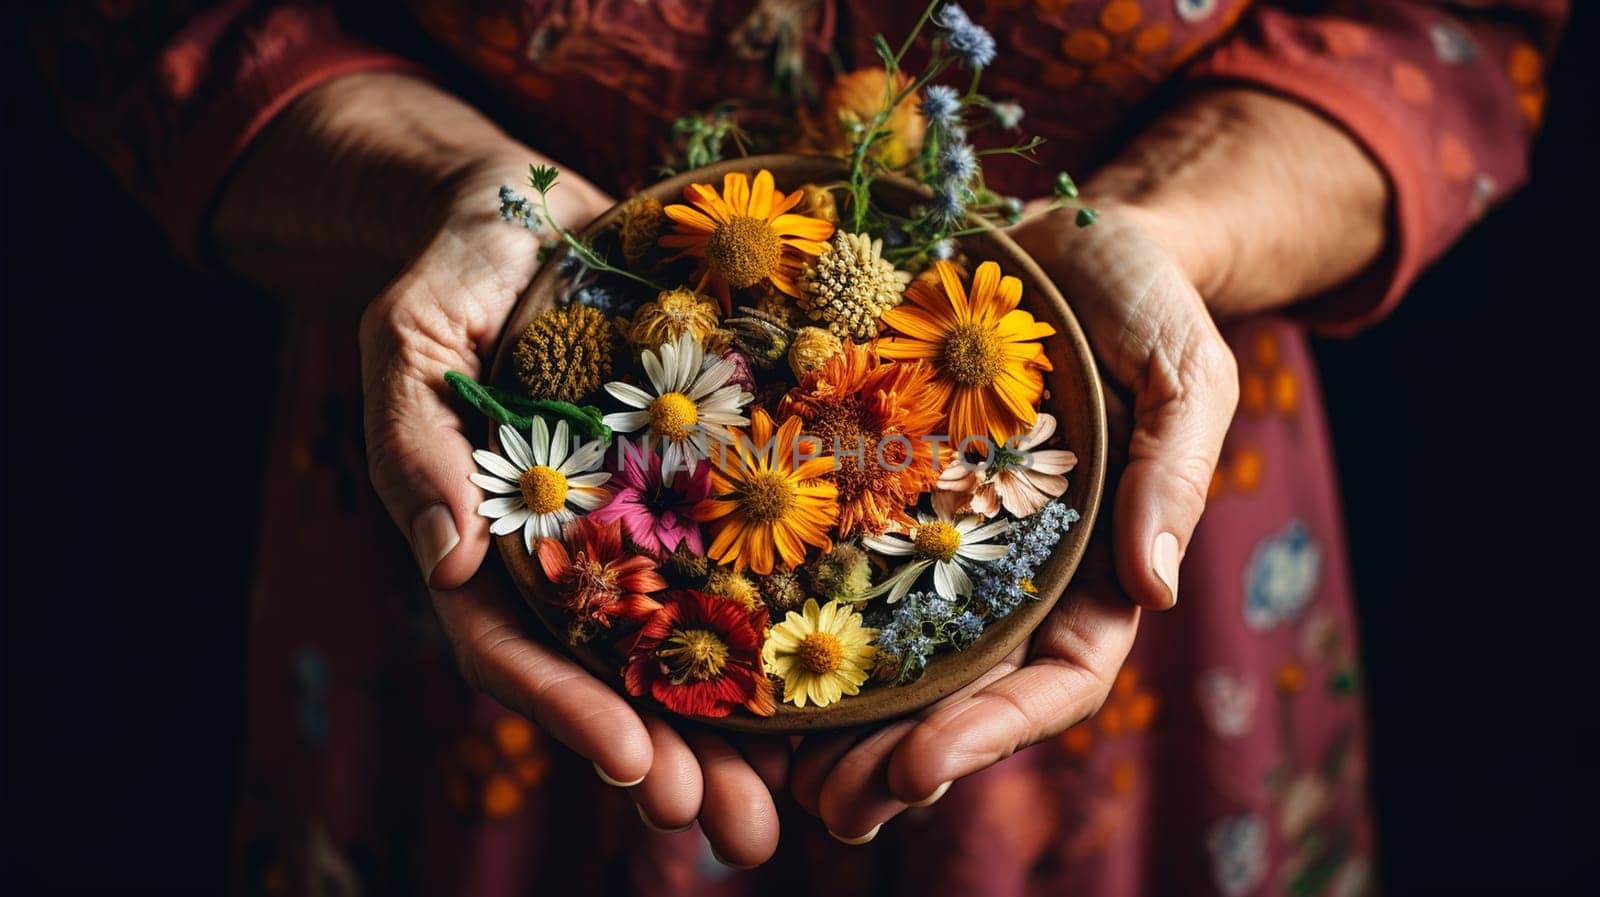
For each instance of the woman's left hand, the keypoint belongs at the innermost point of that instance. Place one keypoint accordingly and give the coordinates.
(1155, 339)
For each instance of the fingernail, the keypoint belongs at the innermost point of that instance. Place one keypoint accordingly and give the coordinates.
(718, 858)
(932, 798)
(433, 535)
(613, 782)
(859, 840)
(650, 824)
(1165, 555)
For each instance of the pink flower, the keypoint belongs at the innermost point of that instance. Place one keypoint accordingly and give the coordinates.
(1016, 477)
(655, 512)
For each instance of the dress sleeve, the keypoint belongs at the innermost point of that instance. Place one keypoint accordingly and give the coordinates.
(170, 94)
(1446, 96)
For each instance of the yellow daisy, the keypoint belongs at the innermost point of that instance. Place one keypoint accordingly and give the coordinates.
(768, 501)
(822, 654)
(986, 350)
(745, 236)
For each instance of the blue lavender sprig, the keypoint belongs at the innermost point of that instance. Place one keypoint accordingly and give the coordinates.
(998, 584)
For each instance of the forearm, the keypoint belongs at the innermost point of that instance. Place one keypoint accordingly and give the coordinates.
(354, 177)
(1262, 201)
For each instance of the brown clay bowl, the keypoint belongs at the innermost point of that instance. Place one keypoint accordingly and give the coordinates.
(1073, 395)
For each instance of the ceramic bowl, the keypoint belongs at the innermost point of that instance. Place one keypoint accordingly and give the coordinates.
(1073, 395)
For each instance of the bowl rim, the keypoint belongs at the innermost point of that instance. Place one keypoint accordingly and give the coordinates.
(948, 671)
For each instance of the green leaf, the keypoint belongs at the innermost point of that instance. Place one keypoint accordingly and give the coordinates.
(885, 52)
(1087, 216)
(517, 411)
(543, 177)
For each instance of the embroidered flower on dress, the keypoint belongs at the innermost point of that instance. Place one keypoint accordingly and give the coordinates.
(1281, 577)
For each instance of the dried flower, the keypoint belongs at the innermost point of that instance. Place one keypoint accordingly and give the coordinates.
(850, 286)
(599, 581)
(843, 574)
(727, 583)
(652, 507)
(518, 208)
(672, 314)
(942, 105)
(686, 401)
(538, 484)
(958, 162)
(812, 347)
(1004, 583)
(943, 541)
(820, 653)
(640, 227)
(853, 101)
(1017, 476)
(700, 656)
(971, 42)
(565, 353)
(818, 202)
(761, 337)
(781, 591)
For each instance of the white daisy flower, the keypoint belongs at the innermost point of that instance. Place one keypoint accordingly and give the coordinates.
(948, 543)
(686, 402)
(538, 484)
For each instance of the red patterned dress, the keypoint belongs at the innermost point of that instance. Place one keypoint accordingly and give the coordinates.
(1230, 758)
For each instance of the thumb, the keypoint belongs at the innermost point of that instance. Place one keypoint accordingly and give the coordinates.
(1185, 387)
(419, 459)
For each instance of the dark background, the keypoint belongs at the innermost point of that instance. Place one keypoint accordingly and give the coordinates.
(137, 396)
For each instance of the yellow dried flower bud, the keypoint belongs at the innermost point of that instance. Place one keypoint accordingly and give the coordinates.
(811, 347)
(565, 354)
(640, 226)
(850, 286)
(672, 314)
(725, 583)
(818, 202)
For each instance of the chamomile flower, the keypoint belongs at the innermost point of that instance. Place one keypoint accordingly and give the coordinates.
(537, 484)
(943, 541)
(685, 402)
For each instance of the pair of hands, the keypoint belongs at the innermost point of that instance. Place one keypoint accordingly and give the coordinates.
(1155, 340)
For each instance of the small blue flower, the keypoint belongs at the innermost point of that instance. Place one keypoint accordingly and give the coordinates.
(998, 584)
(970, 41)
(949, 204)
(601, 299)
(958, 162)
(944, 249)
(965, 629)
(936, 609)
(518, 208)
(1007, 115)
(942, 105)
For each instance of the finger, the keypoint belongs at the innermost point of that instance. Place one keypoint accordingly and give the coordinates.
(737, 813)
(670, 795)
(855, 801)
(1184, 400)
(1075, 658)
(813, 760)
(497, 657)
(768, 756)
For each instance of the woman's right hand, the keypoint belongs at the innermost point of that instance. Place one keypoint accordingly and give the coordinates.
(458, 281)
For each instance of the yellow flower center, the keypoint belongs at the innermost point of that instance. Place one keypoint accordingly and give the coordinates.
(743, 251)
(696, 654)
(672, 415)
(767, 497)
(937, 541)
(820, 653)
(973, 355)
(544, 489)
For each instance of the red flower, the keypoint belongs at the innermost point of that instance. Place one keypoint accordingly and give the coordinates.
(700, 655)
(598, 582)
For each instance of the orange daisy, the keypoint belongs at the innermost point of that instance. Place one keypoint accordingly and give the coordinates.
(986, 352)
(745, 236)
(768, 499)
(874, 418)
